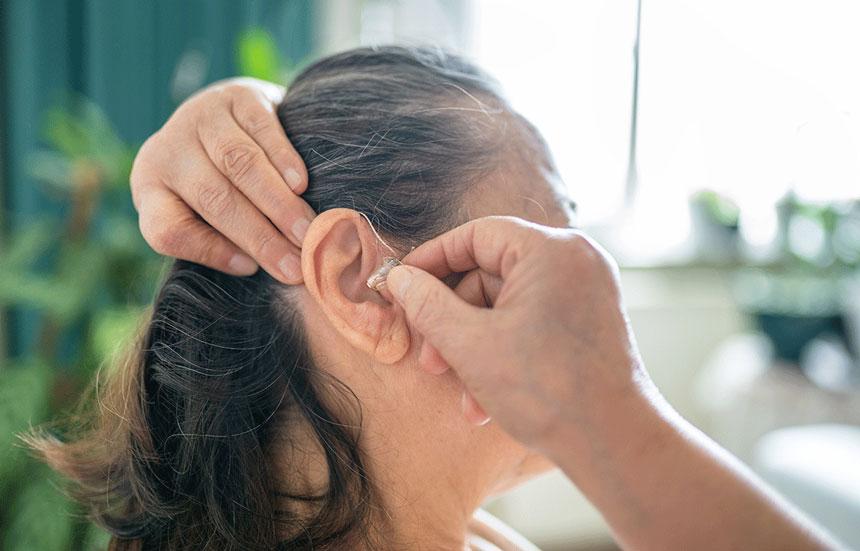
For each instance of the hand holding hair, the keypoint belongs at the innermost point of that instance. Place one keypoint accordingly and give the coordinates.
(219, 184)
(555, 363)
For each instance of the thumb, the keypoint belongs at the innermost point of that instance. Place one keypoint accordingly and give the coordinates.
(435, 311)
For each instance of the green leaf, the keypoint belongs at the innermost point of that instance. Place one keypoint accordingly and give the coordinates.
(95, 539)
(24, 390)
(68, 292)
(41, 517)
(257, 55)
(112, 329)
(721, 209)
(57, 298)
(66, 133)
(121, 235)
(80, 274)
(52, 168)
(80, 131)
(27, 244)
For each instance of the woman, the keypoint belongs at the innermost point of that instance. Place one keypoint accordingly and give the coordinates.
(253, 415)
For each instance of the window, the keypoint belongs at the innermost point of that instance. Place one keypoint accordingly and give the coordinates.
(749, 99)
(568, 67)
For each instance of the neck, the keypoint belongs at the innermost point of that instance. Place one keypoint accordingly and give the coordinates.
(426, 495)
(430, 470)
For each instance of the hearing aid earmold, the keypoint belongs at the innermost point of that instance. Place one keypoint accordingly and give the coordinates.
(378, 279)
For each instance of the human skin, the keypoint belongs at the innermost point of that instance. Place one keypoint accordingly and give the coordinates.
(555, 363)
(219, 183)
(563, 375)
(488, 460)
(431, 466)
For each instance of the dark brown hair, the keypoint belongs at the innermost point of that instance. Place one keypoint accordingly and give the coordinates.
(175, 450)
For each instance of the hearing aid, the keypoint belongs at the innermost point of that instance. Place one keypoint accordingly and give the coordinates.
(377, 279)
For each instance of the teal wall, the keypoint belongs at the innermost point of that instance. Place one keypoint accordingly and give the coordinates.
(123, 55)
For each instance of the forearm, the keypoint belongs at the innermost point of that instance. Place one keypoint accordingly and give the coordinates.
(662, 484)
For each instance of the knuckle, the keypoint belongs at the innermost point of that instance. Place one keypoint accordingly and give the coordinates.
(168, 241)
(256, 123)
(145, 151)
(583, 246)
(262, 243)
(230, 87)
(238, 159)
(215, 202)
(235, 87)
(162, 240)
(592, 255)
(142, 167)
(147, 232)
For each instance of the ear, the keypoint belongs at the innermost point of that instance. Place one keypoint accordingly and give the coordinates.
(340, 251)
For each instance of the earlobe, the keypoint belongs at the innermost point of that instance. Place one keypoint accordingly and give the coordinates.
(340, 251)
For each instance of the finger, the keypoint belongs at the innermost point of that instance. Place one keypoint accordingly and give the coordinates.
(436, 312)
(431, 361)
(255, 113)
(227, 210)
(478, 288)
(172, 229)
(245, 165)
(493, 244)
(472, 410)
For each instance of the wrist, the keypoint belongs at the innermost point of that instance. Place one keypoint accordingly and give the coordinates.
(614, 429)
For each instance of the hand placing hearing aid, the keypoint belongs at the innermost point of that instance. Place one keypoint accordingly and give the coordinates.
(377, 281)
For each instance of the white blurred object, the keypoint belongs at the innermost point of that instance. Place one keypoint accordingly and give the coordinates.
(552, 513)
(345, 24)
(744, 395)
(828, 364)
(734, 367)
(568, 67)
(817, 467)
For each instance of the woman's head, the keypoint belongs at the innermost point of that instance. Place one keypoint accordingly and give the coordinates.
(253, 414)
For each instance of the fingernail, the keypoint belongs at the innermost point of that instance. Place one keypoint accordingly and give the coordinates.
(473, 411)
(300, 228)
(242, 264)
(291, 267)
(291, 175)
(399, 280)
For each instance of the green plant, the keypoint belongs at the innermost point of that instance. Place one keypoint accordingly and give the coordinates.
(83, 268)
(257, 56)
(719, 209)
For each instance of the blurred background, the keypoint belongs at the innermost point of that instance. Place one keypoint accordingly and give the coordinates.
(719, 161)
